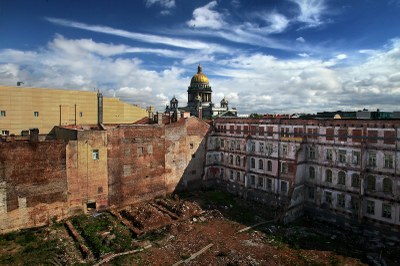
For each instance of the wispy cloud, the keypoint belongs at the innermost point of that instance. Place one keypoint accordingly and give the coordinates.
(275, 22)
(166, 5)
(310, 12)
(207, 17)
(207, 21)
(141, 37)
(162, 3)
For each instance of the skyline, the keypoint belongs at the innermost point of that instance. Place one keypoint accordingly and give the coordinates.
(264, 56)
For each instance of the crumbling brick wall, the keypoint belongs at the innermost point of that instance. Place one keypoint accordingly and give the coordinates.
(185, 153)
(87, 171)
(136, 163)
(33, 183)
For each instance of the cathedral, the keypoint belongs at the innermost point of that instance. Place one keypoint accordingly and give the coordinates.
(200, 100)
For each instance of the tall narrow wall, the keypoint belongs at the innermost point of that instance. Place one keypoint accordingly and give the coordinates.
(87, 171)
(185, 145)
(136, 163)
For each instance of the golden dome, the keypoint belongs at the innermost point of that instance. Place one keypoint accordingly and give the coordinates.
(199, 77)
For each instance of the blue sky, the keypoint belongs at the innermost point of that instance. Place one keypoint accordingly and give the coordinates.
(265, 56)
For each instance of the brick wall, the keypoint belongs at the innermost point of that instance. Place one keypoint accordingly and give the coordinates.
(33, 184)
(136, 163)
(185, 153)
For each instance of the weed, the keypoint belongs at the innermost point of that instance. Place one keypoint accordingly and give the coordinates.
(333, 260)
(185, 256)
(222, 254)
(219, 197)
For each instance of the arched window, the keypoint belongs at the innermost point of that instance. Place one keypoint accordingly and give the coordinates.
(260, 164)
(371, 182)
(252, 163)
(328, 175)
(284, 168)
(231, 159)
(342, 178)
(311, 173)
(269, 166)
(355, 180)
(387, 185)
(238, 176)
(237, 160)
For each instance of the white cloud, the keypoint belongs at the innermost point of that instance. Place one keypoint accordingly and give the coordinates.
(167, 5)
(341, 56)
(252, 82)
(310, 11)
(310, 85)
(274, 23)
(207, 17)
(84, 64)
(303, 55)
(235, 3)
(147, 38)
(162, 3)
(301, 39)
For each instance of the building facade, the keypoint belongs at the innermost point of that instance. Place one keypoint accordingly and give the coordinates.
(343, 170)
(24, 108)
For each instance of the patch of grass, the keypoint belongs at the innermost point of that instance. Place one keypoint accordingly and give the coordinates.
(115, 238)
(218, 197)
(307, 260)
(333, 260)
(26, 237)
(7, 259)
(155, 235)
(27, 246)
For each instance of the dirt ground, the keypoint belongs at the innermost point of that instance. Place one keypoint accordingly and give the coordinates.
(229, 247)
(205, 228)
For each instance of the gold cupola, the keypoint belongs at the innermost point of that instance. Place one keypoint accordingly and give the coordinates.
(199, 79)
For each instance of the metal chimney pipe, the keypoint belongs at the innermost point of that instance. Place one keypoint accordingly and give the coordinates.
(99, 108)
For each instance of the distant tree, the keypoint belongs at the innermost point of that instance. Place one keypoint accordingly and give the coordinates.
(255, 115)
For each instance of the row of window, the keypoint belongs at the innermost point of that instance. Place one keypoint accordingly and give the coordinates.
(268, 184)
(388, 159)
(262, 147)
(3, 113)
(236, 160)
(343, 134)
(387, 184)
(284, 165)
(258, 182)
(354, 203)
(386, 209)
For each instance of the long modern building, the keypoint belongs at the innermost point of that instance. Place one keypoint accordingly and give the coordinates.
(340, 170)
(24, 108)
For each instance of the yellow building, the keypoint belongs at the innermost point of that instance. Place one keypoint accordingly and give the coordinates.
(24, 108)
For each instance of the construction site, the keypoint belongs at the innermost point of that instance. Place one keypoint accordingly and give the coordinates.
(201, 228)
